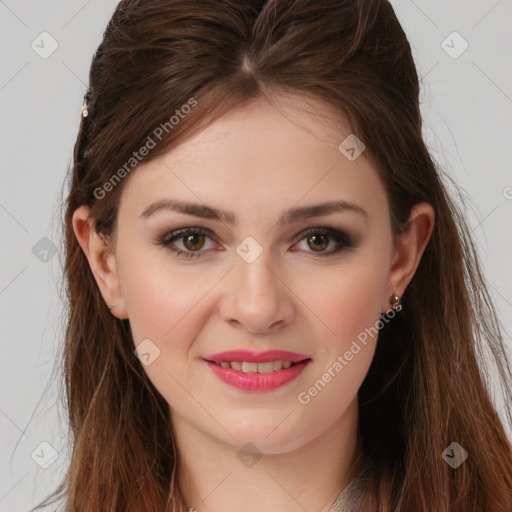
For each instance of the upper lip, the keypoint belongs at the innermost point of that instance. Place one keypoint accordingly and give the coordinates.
(256, 357)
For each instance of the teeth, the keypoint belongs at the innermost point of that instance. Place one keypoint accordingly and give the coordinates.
(247, 367)
(266, 367)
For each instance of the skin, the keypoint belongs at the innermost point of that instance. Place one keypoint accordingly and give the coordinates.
(258, 162)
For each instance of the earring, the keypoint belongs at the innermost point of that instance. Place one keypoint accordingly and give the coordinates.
(394, 300)
(113, 306)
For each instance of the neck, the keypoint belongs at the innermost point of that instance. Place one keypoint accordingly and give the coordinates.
(212, 477)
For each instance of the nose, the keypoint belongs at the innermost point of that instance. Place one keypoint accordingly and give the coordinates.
(256, 297)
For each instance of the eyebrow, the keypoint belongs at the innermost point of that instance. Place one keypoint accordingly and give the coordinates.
(291, 216)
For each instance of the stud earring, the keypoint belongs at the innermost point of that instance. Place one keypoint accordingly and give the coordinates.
(394, 300)
(112, 306)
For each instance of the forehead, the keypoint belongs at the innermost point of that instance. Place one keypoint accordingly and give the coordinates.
(259, 156)
(286, 120)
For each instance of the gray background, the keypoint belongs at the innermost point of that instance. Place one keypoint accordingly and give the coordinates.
(467, 107)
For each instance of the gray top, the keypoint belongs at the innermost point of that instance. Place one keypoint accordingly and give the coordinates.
(345, 501)
(348, 498)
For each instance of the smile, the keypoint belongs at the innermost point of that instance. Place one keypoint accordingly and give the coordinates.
(257, 377)
(248, 367)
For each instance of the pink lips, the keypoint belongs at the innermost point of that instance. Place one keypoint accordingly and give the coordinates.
(256, 357)
(257, 381)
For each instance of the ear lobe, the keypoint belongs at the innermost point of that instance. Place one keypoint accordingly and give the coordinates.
(410, 248)
(102, 260)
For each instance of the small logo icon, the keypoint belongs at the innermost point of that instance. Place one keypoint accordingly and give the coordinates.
(44, 250)
(352, 147)
(249, 250)
(147, 352)
(249, 455)
(454, 455)
(454, 45)
(45, 455)
(44, 45)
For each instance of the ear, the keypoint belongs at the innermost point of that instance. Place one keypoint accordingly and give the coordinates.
(410, 247)
(102, 260)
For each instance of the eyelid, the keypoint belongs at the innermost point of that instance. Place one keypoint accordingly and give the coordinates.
(325, 229)
(169, 235)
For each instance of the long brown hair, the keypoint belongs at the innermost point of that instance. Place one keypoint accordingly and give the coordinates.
(427, 385)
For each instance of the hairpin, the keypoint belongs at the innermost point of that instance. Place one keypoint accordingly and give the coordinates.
(85, 111)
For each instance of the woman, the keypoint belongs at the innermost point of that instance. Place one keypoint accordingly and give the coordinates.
(274, 303)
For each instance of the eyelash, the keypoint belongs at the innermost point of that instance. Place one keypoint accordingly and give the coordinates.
(344, 240)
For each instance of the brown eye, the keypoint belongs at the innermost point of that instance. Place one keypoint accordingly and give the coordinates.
(194, 242)
(190, 242)
(324, 241)
(318, 242)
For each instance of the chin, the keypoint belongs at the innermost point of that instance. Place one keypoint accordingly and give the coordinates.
(272, 436)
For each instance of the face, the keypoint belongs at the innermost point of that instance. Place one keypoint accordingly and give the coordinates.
(250, 265)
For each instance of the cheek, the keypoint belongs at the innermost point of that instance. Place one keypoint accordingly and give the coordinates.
(349, 307)
(169, 306)
(346, 301)
(163, 301)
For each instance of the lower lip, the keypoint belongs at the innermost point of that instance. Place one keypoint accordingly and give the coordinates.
(257, 381)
